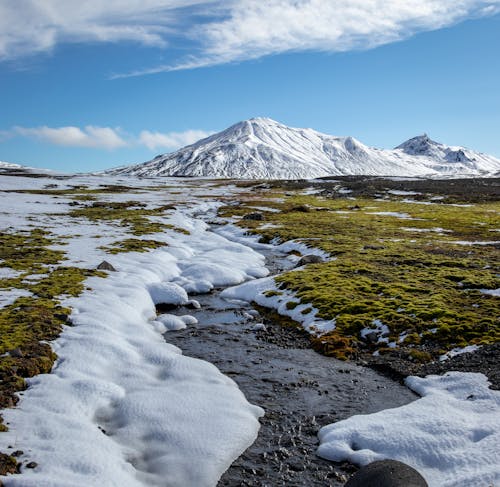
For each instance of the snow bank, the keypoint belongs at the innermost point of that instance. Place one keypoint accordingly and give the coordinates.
(265, 293)
(122, 407)
(451, 435)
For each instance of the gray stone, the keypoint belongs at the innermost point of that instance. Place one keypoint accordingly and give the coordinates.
(373, 247)
(309, 259)
(106, 266)
(387, 473)
(254, 216)
(371, 337)
(16, 353)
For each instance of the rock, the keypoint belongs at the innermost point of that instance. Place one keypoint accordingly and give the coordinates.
(309, 259)
(387, 473)
(32, 465)
(371, 337)
(16, 353)
(373, 247)
(106, 266)
(17, 453)
(254, 216)
(302, 208)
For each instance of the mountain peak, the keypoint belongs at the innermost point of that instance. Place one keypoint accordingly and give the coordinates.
(262, 148)
(419, 145)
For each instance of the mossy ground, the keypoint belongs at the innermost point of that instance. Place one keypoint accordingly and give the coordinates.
(30, 321)
(409, 273)
(133, 245)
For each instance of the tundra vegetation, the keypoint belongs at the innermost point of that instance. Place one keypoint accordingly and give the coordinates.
(420, 267)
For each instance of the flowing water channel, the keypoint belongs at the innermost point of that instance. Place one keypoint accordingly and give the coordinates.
(299, 389)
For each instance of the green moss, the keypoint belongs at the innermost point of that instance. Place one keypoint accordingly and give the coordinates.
(29, 322)
(63, 281)
(270, 294)
(291, 305)
(133, 245)
(418, 282)
(27, 251)
(129, 214)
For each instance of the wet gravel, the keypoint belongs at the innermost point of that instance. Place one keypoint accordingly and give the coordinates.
(300, 391)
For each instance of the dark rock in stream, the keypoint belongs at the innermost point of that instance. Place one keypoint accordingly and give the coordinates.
(300, 391)
(387, 473)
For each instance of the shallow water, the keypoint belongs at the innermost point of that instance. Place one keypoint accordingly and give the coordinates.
(299, 389)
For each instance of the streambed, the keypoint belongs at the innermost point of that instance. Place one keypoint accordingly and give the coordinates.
(299, 389)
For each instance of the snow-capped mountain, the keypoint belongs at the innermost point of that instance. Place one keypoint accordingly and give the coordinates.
(261, 148)
(9, 165)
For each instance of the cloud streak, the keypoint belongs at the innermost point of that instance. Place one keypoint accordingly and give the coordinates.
(28, 27)
(107, 138)
(90, 136)
(227, 31)
(172, 140)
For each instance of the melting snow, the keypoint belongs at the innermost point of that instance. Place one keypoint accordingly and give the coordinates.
(451, 435)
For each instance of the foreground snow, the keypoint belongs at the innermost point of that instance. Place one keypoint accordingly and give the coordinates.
(451, 435)
(122, 407)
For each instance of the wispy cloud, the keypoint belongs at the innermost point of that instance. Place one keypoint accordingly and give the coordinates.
(90, 136)
(228, 30)
(33, 26)
(105, 137)
(171, 140)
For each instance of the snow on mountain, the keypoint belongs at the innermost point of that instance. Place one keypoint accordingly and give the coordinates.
(9, 165)
(261, 148)
(452, 159)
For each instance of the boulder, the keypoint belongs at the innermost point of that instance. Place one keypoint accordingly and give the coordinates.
(309, 259)
(387, 473)
(106, 266)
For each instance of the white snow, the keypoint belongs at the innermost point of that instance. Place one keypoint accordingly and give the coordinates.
(491, 292)
(459, 351)
(438, 230)
(168, 419)
(278, 300)
(397, 192)
(451, 435)
(478, 242)
(404, 216)
(380, 329)
(261, 148)
(8, 296)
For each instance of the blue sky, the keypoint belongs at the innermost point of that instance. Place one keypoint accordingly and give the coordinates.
(88, 88)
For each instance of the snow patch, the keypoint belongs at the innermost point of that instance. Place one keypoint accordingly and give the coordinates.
(451, 435)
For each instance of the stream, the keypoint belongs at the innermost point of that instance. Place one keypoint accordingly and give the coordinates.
(299, 389)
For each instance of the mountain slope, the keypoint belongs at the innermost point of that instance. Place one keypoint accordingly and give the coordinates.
(261, 148)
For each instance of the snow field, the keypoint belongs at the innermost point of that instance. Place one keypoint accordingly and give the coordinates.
(122, 407)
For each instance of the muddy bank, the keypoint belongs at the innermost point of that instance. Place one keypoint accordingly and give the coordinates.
(299, 389)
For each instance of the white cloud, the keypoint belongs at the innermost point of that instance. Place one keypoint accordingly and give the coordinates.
(171, 140)
(226, 31)
(90, 136)
(105, 137)
(32, 26)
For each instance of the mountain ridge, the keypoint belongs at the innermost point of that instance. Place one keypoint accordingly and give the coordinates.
(261, 148)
